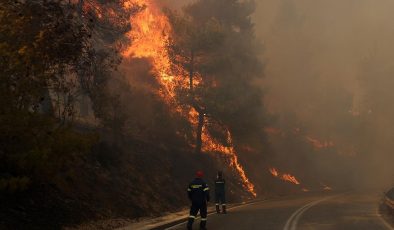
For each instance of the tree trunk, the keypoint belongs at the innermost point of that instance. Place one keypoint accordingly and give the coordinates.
(46, 103)
(200, 125)
(201, 112)
(191, 70)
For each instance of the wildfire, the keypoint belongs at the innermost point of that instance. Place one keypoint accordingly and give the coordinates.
(284, 176)
(150, 36)
(210, 145)
(290, 178)
(274, 172)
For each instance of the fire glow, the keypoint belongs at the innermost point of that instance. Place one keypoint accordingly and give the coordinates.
(210, 145)
(284, 176)
(150, 36)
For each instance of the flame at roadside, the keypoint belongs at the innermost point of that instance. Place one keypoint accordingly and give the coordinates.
(210, 145)
(150, 36)
(284, 176)
(274, 172)
(290, 178)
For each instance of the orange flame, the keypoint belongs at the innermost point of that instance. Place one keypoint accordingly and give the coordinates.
(274, 172)
(211, 145)
(290, 178)
(150, 37)
(284, 176)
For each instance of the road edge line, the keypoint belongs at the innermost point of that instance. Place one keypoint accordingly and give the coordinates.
(291, 223)
(383, 220)
(209, 214)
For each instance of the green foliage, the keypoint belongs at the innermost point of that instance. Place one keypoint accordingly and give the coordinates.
(41, 156)
(43, 45)
(40, 42)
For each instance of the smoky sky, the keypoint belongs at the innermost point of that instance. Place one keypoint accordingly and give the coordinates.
(312, 44)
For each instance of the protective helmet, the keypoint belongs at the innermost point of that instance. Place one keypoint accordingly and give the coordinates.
(199, 174)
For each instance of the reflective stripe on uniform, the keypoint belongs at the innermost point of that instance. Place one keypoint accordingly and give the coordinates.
(203, 219)
(206, 189)
(217, 204)
(224, 204)
(192, 217)
(196, 186)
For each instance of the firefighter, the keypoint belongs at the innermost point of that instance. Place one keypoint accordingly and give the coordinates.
(198, 192)
(220, 197)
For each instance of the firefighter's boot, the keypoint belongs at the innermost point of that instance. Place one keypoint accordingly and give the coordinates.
(203, 224)
(224, 209)
(190, 223)
(217, 209)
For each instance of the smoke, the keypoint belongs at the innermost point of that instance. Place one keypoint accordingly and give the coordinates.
(328, 80)
(174, 4)
(329, 71)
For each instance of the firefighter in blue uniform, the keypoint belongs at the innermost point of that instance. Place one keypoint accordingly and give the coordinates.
(198, 192)
(220, 196)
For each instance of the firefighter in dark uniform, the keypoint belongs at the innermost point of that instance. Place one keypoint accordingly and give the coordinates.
(220, 196)
(198, 192)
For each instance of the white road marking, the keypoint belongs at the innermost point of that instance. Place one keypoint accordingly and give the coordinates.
(291, 223)
(243, 205)
(383, 221)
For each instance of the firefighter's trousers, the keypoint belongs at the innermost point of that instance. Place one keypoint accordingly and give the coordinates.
(220, 198)
(194, 209)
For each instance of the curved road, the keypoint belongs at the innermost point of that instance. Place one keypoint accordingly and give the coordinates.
(346, 211)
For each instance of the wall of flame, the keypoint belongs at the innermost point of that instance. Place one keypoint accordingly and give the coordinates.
(149, 39)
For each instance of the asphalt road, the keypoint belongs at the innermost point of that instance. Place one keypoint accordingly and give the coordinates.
(345, 211)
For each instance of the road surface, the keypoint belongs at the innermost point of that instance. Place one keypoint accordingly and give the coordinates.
(345, 211)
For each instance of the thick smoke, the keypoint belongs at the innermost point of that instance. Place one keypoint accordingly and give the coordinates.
(330, 69)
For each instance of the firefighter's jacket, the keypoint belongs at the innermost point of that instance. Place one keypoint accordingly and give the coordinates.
(219, 186)
(198, 191)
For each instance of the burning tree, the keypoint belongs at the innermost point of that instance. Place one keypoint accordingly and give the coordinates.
(192, 51)
(212, 45)
(217, 54)
(198, 74)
